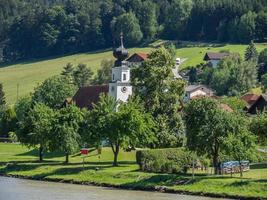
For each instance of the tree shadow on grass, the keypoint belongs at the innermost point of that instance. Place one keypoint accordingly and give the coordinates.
(259, 166)
(47, 155)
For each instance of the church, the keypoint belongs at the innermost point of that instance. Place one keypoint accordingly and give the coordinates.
(119, 87)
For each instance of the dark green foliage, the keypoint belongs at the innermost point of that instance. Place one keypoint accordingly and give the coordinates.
(235, 103)
(65, 130)
(8, 120)
(121, 125)
(232, 76)
(208, 125)
(262, 62)
(127, 24)
(82, 75)
(2, 96)
(104, 73)
(68, 70)
(164, 160)
(161, 93)
(37, 29)
(53, 91)
(35, 128)
(258, 126)
(251, 53)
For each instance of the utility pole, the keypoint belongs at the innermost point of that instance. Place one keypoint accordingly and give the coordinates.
(17, 91)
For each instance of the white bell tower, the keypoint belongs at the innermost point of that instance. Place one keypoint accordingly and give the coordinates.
(119, 86)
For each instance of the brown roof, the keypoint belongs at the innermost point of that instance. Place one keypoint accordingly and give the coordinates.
(215, 56)
(85, 97)
(250, 98)
(259, 105)
(137, 57)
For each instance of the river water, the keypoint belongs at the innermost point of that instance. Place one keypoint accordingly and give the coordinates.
(19, 189)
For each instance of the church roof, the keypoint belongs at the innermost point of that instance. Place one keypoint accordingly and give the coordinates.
(85, 97)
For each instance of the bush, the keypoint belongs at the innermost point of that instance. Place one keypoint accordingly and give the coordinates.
(174, 160)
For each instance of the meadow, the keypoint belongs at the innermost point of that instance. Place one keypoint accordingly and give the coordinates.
(19, 79)
(17, 160)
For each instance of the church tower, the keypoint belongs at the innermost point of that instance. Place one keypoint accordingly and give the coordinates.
(119, 86)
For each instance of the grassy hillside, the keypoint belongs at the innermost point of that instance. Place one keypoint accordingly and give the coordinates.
(29, 73)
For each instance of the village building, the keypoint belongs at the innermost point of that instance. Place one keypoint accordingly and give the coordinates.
(260, 105)
(195, 91)
(119, 86)
(137, 59)
(213, 58)
(250, 98)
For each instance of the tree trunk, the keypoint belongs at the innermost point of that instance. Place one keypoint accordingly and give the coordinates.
(115, 150)
(67, 158)
(41, 153)
(241, 169)
(215, 161)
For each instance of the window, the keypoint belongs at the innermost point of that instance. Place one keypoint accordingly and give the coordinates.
(124, 77)
(113, 77)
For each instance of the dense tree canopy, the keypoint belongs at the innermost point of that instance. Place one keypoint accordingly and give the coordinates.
(53, 91)
(154, 83)
(38, 28)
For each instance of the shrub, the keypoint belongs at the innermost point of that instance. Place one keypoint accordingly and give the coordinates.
(173, 160)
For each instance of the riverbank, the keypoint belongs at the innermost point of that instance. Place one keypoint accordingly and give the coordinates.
(17, 161)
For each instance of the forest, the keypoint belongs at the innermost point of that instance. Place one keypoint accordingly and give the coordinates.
(41, 28)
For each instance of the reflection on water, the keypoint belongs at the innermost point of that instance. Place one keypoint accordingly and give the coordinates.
(18, 189)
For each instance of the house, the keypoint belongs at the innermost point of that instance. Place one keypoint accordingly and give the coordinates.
(213, 58)
(249, 99)
(137, 59)
(195, 91)
(259, 105)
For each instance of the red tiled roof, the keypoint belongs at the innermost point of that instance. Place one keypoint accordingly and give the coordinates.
(143, 55)
(250, 98)
(85, 97)
(138, 56)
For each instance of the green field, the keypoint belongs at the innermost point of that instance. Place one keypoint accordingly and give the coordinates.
(27, 74)
(18, 160)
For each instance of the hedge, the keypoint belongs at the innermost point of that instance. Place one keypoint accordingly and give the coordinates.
(171, 160)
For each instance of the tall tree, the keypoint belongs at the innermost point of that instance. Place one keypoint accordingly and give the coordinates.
(66, 126)
(121, 125)
(127, 24)
(104, 73)
(155, 85)
(177, 17)
(240, 147)
(2, 96)
(251, 53)
(246, 27)
(207, 128)
(82, 75)
(53, 91)
(258, 127)
(35, 129)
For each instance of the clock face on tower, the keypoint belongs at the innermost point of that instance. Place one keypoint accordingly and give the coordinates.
(124, 89)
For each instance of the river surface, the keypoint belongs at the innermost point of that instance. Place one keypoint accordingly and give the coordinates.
(19, 189)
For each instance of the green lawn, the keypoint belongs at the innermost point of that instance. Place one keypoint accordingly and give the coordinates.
(31, 72)
(18, 160)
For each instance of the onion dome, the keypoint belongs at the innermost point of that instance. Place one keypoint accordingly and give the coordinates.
(120, 53)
